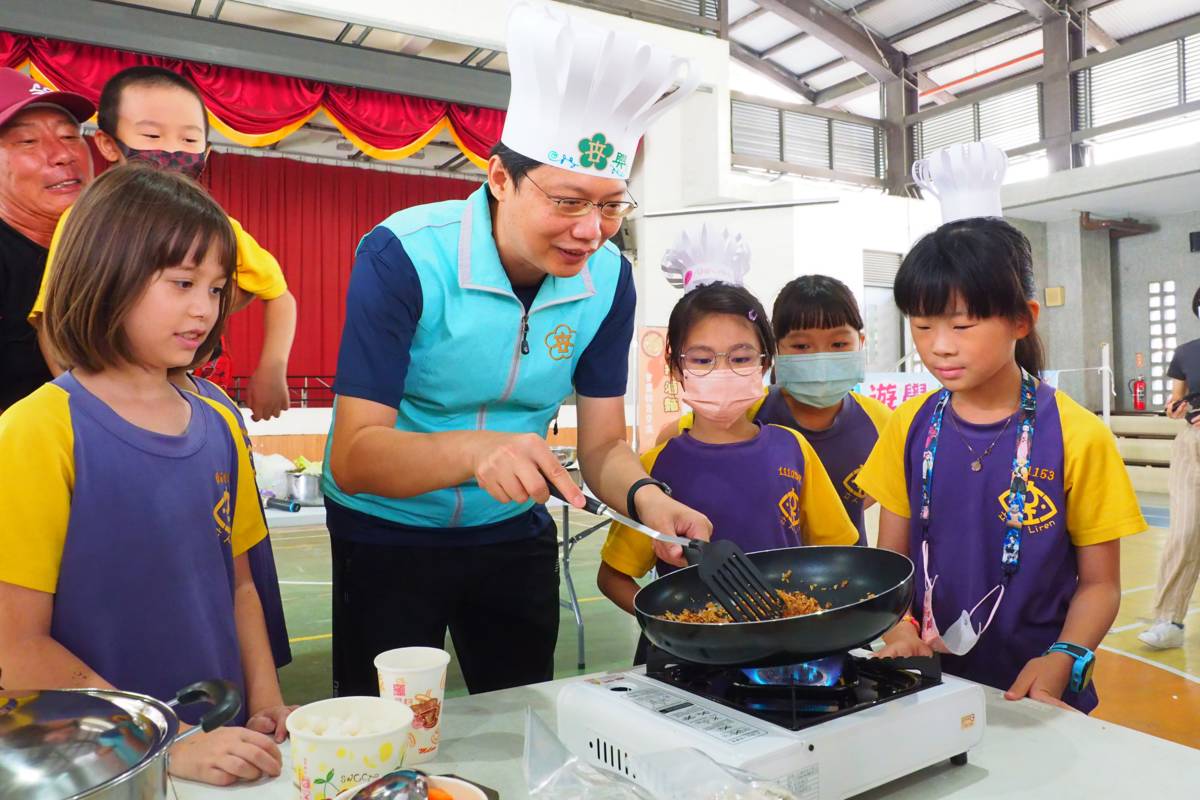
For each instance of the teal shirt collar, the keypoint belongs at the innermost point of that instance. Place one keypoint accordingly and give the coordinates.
(479, 266)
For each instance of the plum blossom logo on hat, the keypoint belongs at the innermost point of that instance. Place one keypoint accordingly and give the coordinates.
(595, 151)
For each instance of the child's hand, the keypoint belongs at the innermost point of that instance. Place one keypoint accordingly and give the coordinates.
(270, 721)
(905, 648)
(1044, 679)
(226, 756)
(902, 641)
(267, 392)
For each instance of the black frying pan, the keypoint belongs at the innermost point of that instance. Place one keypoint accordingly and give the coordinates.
(853, 621)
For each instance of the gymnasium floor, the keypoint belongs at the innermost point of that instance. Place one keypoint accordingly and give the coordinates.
(1155, 692)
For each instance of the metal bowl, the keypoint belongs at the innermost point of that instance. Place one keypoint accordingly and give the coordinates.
(565, 455)
(305, 488)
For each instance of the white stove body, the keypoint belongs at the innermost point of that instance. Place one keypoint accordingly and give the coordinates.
(609, 721)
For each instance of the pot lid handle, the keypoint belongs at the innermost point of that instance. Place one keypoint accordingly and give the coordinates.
(224, 697)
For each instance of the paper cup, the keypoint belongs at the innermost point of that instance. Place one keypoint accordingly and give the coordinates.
(345, 742)
(416, 676)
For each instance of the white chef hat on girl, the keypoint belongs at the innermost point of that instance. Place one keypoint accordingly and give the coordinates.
(965, 179)
(705, 255)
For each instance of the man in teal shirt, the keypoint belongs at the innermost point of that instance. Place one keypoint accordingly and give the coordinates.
(467, 325)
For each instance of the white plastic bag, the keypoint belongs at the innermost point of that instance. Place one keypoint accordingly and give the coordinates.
(553, 772)
(271, 472)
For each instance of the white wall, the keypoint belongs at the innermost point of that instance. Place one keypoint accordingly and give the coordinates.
(1159, 256)
(787, 242)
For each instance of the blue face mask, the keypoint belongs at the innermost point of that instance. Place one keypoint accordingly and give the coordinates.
(820, 380)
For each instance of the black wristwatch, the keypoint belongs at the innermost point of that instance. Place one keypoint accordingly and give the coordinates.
(630, 508)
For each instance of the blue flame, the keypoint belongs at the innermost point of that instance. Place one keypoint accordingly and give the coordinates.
(822, 672)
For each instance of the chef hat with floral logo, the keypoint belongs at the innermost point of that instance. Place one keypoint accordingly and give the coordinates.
(583, 95)
(706, 255)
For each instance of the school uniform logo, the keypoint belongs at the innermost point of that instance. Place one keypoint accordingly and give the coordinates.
(850, 484)
(223, 510)
(1040, 510)
(561, 342)
(789, 507)
(789, 504)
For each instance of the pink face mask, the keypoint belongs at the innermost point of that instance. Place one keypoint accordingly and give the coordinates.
(722, 396)
(961, 636)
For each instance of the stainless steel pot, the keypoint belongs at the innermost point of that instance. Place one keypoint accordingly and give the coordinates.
(305, 488)
(69, 744)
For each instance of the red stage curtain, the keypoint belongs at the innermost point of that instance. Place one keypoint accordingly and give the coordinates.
(475, 129)
(381, 127)
(255, 103)
(311, 217)
(256, 109)
(14, 49)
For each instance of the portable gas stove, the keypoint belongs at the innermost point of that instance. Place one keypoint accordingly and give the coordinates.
(825, 729)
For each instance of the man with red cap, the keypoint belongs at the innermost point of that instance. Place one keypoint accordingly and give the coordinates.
(44, 165)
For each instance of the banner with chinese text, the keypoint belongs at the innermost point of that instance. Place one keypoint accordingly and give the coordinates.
(658, 393)
(893, 388)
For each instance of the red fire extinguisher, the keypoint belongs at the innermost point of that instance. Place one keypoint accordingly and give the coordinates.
(1138, 387)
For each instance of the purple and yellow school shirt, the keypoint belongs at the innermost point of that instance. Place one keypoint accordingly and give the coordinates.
(765, 493)
(260, 556)
(133, 532)
(843, 447)
(1079, 495)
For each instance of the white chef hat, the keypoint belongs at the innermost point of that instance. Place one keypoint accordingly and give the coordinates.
(705, 255)
(965, 179)
(583, 95)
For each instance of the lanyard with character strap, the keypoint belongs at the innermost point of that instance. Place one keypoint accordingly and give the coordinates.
(1014, 520)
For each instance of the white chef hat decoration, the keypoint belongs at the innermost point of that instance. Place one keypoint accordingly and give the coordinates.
(705, 255)
(965, 179)
(583, 95)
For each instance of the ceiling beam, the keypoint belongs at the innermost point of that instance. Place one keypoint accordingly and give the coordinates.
(1041, 10)
(1180, 29)
(785, 44)
(144, 30)
(1096, 37)
(650, 12)
(976, 40)
(846, 91)
(804, 76)
(882, 61)
(746, 18)
(941, 96)
(771, 70)
(933, 22)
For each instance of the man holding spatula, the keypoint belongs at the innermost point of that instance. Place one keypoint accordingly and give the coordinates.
(467, 325)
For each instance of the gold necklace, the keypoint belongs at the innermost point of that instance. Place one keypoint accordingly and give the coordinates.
(977, 464)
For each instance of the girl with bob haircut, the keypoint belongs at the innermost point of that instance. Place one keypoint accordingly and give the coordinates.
(1009, 497)
(129, 517)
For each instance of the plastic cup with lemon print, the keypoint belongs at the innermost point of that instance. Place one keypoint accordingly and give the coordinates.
(416, 677)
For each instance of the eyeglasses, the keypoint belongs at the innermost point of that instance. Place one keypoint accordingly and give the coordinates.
(578, 206)
(744, 360)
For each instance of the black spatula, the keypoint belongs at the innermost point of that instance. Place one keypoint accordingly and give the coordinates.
(738, 585)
